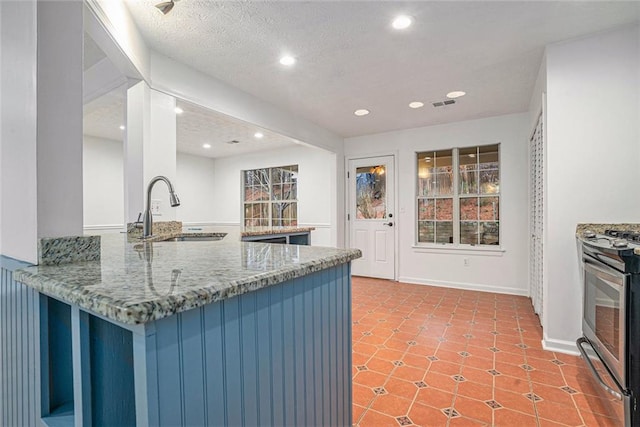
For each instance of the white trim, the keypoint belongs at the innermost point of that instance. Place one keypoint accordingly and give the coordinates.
(465, 286)
(560, 346)
(104, 227)
(460, 250)
(316, 225)
(102, 30)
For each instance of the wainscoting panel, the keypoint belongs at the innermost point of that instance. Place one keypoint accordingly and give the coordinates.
(277, 356)
(19, 349)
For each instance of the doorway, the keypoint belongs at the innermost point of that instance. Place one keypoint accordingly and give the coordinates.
(372, 220)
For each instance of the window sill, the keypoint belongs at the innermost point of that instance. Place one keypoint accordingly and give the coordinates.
(460, 250)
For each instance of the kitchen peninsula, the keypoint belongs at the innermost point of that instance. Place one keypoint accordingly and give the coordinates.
(196, 333)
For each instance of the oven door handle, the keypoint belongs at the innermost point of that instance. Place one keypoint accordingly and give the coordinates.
(604, 270)
(595, 374)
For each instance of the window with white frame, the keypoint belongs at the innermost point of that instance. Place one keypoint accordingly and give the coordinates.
(458, 200)
(270, 197)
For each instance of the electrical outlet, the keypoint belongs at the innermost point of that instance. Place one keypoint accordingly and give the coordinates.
(466, 262)
(155, 207)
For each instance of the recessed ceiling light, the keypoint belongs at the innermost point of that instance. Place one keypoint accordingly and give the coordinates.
(122, 127)
(206, 145)
(258, 135)
(416, 104)
(472, 155)
(361, 112)
(402, 22)
(456, 94)
(178, 110)
(287, 60)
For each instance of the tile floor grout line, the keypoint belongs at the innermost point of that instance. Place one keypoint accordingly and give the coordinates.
(417, 301)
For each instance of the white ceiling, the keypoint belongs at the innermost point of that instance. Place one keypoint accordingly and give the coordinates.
(350, 58)
(195, 127)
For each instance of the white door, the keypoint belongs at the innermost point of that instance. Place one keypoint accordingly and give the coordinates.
(372, 220)
(536, 223)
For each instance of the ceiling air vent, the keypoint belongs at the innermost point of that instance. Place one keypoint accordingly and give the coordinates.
(233, 141)
(443, 103)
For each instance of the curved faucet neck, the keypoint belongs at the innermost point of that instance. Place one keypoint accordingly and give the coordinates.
(147, 226)
(152, 183)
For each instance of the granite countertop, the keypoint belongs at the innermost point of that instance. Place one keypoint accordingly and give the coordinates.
(135, 282)
(600, 228)
(269, 231)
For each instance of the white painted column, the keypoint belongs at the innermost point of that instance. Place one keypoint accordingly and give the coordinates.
(40, 123)
(18, 186)
(150, 150)
(59, 109)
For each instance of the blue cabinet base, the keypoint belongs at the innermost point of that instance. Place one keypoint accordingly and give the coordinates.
(278, 356)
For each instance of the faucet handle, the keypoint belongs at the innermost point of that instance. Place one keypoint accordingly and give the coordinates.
(139, 218)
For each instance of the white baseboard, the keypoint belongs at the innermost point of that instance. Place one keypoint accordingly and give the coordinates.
(466, 286)
(561, 346)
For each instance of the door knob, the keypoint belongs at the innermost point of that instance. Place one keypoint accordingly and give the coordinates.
(390, 224)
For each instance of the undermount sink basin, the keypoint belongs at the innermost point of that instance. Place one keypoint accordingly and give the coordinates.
(194, 238)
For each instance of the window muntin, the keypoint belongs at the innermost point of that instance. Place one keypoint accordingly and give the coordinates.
(435, 201)
(271, 197)
(459, 208)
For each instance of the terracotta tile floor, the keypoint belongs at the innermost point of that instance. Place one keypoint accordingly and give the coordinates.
(432, 356)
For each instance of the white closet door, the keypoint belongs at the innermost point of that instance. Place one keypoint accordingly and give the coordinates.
(536, 156)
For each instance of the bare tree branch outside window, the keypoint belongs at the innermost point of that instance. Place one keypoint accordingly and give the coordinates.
(271, 197)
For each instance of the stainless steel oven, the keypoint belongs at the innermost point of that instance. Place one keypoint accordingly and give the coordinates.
(610, 323)
(605, 314)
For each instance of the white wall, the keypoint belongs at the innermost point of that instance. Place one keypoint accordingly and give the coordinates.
(102, 169)
(104, 189)
(59, 134)
(315, 187)
(18, 186)
(593, 120)
(500, 272)
(195, 188)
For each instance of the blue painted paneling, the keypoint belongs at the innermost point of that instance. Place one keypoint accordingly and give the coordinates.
(59, 382)
(193, 366)
(215, 378)
(111, 362)
(278, 356)
(19, 349)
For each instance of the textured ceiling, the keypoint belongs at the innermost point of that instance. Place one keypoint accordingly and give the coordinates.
(195, 127)
(350, 58)
(104, 116)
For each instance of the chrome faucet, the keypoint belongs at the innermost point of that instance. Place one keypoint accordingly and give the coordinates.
(147, 228)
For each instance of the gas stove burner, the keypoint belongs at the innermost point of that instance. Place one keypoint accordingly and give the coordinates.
(588, 234)
(619, 243)
(612, 233)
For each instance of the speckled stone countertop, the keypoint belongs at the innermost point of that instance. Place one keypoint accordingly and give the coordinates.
(268, 231)
(600, 228)
(137, 282)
